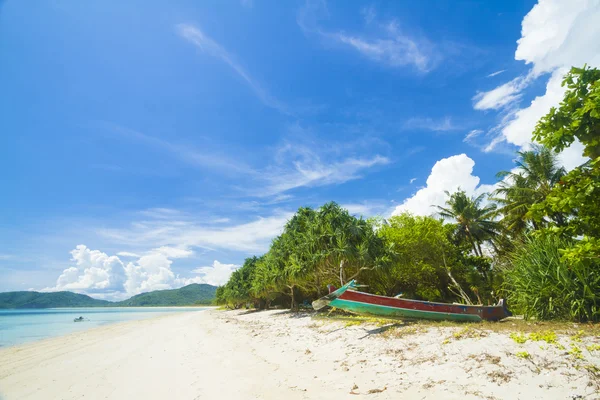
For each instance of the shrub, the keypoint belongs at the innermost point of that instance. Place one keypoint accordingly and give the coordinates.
(542, 285)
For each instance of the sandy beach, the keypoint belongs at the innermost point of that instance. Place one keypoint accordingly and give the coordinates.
(267, 355)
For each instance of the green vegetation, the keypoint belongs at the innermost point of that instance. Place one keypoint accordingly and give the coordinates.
(534, 240)
(48, 300)
(194, 294)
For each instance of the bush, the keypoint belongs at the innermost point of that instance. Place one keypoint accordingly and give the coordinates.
(542, 285)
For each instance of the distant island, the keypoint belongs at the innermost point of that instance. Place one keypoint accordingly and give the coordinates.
(190, 295)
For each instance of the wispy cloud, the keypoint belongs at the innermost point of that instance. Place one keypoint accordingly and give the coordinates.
(502, 96)
(390, 45)
(495, 73)
(186, 153)
(430, 124)
(301, 166)
(204, 43)
(472, 135)
(412, 180)
(176, 236)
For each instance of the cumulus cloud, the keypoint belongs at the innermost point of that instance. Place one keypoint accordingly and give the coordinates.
(96, 273)
(448, 174)
(555, 35)
(216, 274)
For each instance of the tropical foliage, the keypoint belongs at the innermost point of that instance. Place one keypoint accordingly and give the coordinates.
(545, 286)
(535, 239)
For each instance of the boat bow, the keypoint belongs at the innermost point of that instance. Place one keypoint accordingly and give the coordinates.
(325, 300)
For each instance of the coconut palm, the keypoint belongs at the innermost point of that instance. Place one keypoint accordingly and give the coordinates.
(474, 221)
(538, 170)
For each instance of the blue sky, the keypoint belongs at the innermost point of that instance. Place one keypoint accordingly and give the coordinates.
(148, 145)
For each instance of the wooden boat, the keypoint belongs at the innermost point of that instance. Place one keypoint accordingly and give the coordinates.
(79, 319)
(349, 299)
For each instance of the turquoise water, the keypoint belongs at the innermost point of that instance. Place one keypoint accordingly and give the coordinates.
(21, 326)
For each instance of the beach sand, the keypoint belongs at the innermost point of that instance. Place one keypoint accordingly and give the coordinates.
(276, 354)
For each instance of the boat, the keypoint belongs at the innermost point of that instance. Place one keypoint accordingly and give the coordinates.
(348, 298)
(79, 319)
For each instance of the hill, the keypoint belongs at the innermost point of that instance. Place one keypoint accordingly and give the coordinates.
(48, 300)
(196, 293)
(193, 294)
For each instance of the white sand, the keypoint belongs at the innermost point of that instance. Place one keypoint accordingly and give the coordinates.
(275, 355)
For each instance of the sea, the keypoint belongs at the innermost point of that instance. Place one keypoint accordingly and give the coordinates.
(27, 325)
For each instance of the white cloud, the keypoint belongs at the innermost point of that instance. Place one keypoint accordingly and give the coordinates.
(251, 237)
(519, 128)
(369, 14)
(217, 274)
(555, 35)
(395, 50)
(495, 73)
(390, 46)
(572, 156)
(151, 272)
(300, 166)
(501, 96)
(172, 252)
(366, 209)
(210, 159)
(447, 174)
(558, 33)
(412, 180)
(209, 46)
(128, 254)
(472, 135)
(104, 276)
(94, 271)
(430, 124)
(296, 165)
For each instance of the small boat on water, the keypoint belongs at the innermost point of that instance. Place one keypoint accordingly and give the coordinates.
(79, 319)
(349, 299)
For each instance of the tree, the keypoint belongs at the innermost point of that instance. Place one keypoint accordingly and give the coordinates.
(428, 264)
(576, 119)
(418, 269)
(474, 222)
(538, 170)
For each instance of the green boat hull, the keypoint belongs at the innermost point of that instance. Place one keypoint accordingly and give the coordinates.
(385, 311)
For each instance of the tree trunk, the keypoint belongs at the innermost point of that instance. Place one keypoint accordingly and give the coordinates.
(472, 244)
(342, 272)
(292, 291)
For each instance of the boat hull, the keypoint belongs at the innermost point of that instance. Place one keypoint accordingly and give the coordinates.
(364, 303)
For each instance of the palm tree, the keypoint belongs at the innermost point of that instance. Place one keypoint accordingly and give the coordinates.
(538, 170)
(474, 221)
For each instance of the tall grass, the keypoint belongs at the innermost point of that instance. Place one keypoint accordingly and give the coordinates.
(542, 286)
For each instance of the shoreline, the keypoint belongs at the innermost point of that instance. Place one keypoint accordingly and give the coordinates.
(269, 354)
(25, 326)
